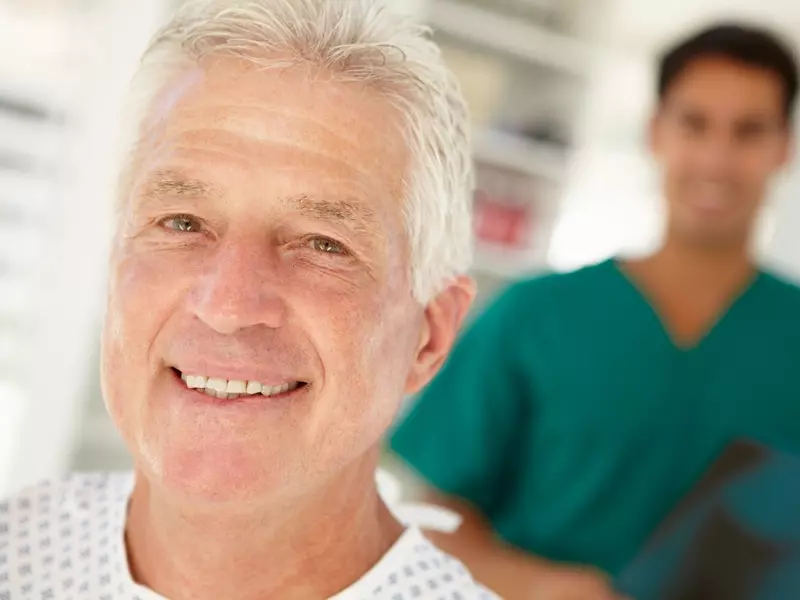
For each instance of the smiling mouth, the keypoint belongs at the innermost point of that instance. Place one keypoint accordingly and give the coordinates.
(230, 389)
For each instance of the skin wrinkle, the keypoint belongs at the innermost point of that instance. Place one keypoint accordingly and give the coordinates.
(314, 74)
(224, 129)
(220, 485)
(350, 143)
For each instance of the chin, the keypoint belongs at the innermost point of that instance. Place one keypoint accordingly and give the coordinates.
(204, 451)
(226, 473)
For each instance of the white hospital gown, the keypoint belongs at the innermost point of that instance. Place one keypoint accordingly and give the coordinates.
(65, 541)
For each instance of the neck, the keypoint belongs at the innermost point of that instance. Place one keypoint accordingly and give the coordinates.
(286, 550)
(702, 267)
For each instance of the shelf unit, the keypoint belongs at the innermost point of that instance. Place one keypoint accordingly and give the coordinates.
(34, 129)
(63, 73)
(535, 75)
(531, 42)
(538, 159)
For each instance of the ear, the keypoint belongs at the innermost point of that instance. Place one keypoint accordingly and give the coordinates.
(788, 150)
(442, 322)
(653, 138)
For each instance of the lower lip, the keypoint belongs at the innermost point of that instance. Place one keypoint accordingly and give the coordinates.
(715, 205)
(245, 400)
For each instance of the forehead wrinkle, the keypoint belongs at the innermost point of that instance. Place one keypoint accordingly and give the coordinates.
(279, 96)
(234, 148)
(246, 117)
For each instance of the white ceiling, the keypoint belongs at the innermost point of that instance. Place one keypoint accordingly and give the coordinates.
(648, 24)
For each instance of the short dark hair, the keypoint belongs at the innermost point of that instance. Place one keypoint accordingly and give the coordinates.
(752, 46)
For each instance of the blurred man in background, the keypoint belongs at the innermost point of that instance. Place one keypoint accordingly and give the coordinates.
(276, 288)
(581, 407)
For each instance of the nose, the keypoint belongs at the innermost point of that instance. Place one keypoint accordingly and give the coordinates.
(239, 288)
(718, 153)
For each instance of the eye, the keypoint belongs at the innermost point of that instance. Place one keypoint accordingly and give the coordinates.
(181, 224)
(748, 131)
(327, 246)
(694, 124)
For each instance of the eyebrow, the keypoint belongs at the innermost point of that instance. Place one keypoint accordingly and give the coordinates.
(172, 183)
(690, 111)
(348, 212)
(344, 211)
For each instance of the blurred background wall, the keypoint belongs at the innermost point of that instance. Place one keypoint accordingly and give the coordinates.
(560, 92)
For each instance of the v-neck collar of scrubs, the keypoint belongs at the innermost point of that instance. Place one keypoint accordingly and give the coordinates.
(708, 337)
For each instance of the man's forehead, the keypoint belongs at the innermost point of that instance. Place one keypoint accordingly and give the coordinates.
(172, 93)
(721, 88)
(237, 131)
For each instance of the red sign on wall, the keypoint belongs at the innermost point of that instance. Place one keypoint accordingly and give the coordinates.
(501, 223)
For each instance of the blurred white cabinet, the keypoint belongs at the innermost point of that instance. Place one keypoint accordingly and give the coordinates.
(524, 66)
(63, 73)
(34, 127)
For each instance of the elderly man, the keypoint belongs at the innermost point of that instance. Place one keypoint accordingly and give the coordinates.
(292, 234)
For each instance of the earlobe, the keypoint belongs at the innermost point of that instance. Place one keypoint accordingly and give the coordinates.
(444, 316)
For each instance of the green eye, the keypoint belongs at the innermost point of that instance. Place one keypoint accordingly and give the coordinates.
(183, 224)
(327, 246)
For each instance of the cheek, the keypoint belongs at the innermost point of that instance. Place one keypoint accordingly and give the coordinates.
(670, 146)
(385, 344)
(758, 167)
(366, 339)
(140, 291)
(141, 294)
(683, 160)
(672, 167)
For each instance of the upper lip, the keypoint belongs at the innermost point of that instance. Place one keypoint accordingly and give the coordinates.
(271, 377)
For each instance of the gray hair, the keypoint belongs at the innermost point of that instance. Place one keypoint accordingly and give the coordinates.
(357, 40)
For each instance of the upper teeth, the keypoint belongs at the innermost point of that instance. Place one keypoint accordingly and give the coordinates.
(224, 388)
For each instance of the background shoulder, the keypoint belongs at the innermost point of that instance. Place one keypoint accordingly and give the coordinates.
(523, 300)
(789, 288)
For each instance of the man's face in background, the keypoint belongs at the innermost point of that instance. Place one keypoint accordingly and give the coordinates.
(720, 134)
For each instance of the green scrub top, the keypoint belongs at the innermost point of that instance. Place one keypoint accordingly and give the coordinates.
(568, 416)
